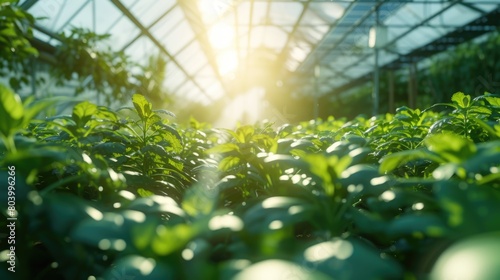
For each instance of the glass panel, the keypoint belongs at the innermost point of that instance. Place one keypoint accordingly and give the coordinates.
(168, 23)
(259, 12)
(243, 13)
(177, 38)
(174, 77)
(274, 38)
(141, 49)
(106, 15)
(192, 58)
(147, 11)
(122, 32)
(83, 19)
(55, 13)
(329, 11)
(215, 91)
(456, 16)
(283, 13)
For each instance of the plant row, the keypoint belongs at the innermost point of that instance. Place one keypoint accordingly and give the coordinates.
(103, 194)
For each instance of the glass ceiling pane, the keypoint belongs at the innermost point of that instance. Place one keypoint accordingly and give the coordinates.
(54, 13)
(312, 18)
(147, 11)
(174, 77)
(177, 38)
(285, 13)
(166, 24)
(329, 11)
(83, 19)
(243, 13)
(456, 16)
(141, 49)
(106, 15)
(215, 91)
(192, 58)
(274, 38)
(259, 12)
(122, 32)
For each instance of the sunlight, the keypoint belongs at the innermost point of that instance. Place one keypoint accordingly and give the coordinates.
(221, 36)
(245, 109)
(227, 62)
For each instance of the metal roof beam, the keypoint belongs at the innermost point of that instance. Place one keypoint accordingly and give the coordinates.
(149, 27)
(347, 33)
(146, 32)
(202, 36)
(367, 77)
(282, 56)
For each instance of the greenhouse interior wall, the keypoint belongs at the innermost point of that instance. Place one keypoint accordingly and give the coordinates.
(250, 139)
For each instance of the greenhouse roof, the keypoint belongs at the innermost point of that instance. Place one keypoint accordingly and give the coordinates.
(216, 47)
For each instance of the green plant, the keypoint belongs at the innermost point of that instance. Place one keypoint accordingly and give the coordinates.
(16, 50)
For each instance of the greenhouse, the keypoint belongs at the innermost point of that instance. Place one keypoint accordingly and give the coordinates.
(250, 139)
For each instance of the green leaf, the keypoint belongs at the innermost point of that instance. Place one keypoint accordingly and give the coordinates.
(142, 105)
(461, 100)
(392, 161)
(451, 147)
(223, 148)
(138, 267)
(279, 270)
(200, 201)
(228, 162)
(144, 193)
(109, 148)
(416, 225)
(83, 112)
(170, 239)
(350, 259)
(11, 112)
(171, 135)
(493, 100)
(245, 133)
(277, 212)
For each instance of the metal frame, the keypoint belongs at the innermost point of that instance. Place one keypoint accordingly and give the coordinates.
(342, 27)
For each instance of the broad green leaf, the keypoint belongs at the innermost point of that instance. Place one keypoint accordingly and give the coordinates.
(171, 238)
(349, 259)
(327, 168)
(143, 107)
(451, 147)
(172, 136)
(83, 112)
(157, 204)
(200, 201)
(106, 233)
(416, 225)
(392, 161)
(144, 193)
(245, 133)
(279, 270)
(11, 111)
(223, 148)
(109, 148)
(468, 208)
(277, 212)
(493, 100)
(460, 99)
(138, 267)
(228, 162)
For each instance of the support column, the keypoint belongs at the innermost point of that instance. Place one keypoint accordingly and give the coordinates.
(412, 86)
(392, 106)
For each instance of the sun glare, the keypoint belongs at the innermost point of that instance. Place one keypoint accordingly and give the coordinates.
(227, 62)
(221, 36)
(244, 109)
